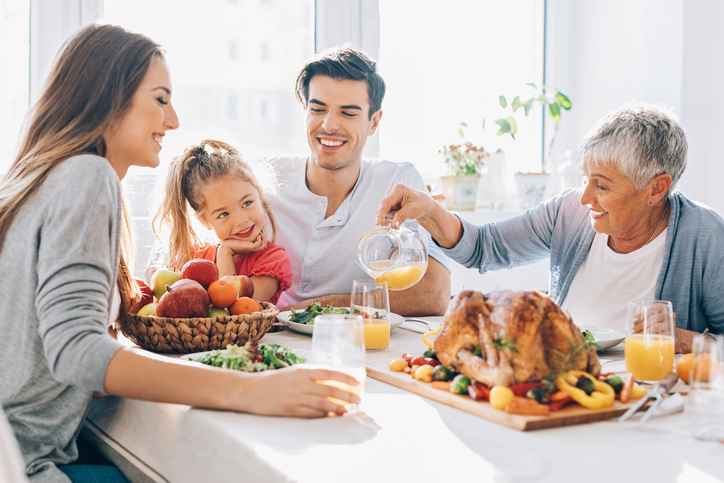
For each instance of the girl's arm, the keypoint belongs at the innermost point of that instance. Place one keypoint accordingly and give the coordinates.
(285, 392)
(264, 287)
(225, 260)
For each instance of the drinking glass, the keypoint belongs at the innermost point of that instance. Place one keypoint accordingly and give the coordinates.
(338, 343)
(649, 347)
(705, 402)
(371, 301)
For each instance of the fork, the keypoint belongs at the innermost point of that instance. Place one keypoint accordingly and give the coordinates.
(656, 392)
(664, 388)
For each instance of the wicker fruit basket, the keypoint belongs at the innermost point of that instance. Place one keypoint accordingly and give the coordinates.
(183, 336)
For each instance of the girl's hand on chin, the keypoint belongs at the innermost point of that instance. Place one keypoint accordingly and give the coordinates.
(239, 247)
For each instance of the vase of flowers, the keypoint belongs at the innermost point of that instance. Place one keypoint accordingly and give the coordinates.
(465, 163)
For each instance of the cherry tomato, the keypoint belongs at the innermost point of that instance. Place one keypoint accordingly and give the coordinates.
(419, 361)
(479, 392)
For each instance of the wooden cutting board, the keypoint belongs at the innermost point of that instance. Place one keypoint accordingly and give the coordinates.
(568, 416)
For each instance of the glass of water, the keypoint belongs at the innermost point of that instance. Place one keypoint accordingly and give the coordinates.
(338, 343)
(705, 403)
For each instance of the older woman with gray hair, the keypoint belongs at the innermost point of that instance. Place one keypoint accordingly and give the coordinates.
(625, 236)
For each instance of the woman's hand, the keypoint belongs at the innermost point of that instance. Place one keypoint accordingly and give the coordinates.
(405, 203)
(294, 391)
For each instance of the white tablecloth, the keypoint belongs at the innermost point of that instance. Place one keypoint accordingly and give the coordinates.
(398, 437)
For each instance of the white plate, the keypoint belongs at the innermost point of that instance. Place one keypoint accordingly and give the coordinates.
(395, 321)
(606, 338)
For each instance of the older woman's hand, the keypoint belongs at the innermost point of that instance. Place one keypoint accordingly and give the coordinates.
(404, 203)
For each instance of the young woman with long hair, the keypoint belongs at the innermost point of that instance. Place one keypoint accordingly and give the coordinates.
(64, 249)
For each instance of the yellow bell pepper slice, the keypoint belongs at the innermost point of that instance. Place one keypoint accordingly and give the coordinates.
(428, 337)
(602, 396)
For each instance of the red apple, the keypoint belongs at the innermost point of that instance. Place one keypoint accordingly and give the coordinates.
(146, 293)
(185, 298)
(247, 286)
(243, 284)
(202, 270)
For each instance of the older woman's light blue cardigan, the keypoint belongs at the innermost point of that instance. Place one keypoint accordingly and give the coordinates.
(691, 276)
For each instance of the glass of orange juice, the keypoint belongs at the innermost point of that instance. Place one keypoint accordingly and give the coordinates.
(338, 343)
(371, 300)
(649, 347)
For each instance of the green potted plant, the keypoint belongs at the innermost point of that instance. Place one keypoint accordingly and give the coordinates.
(532, 185)
(464, 162)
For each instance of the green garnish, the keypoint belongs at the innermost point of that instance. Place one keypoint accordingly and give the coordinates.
(504, 343)
(589, 340)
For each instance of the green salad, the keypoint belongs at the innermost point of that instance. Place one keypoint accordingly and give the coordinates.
(251, 359)
(307, 315)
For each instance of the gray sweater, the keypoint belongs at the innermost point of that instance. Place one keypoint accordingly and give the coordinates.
(58, 268)
(691, 276)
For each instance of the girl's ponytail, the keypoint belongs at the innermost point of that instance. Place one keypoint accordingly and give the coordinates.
(174, 214)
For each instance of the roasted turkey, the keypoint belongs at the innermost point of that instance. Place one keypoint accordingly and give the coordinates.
(520, 336)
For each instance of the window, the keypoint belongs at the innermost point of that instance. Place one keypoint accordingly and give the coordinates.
(221, 89)
(15, 78)
(448, 62)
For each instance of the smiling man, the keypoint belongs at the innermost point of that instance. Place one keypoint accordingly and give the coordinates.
(328, 200)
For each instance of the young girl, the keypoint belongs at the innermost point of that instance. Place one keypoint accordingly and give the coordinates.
(62, 239)
(226, 197)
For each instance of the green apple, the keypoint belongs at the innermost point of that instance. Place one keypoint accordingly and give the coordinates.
(162, 279)
(148, 309)
(217, 312)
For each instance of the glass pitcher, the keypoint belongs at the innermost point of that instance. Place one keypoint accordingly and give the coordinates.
(395, 256)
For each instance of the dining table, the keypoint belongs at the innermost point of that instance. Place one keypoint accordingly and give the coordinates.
(394, 436)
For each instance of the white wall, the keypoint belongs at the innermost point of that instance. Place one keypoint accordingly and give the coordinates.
(703, 100)
(659, 51)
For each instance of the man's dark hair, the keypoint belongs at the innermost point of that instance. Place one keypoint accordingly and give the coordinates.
(343, 64)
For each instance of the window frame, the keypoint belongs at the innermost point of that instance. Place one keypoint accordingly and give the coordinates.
(336, 22)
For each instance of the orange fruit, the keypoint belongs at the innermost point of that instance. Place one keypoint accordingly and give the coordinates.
(685, 365)
(244, 305)
(222, 293)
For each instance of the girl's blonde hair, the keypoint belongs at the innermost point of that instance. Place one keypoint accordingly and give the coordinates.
(200, 164)
(90, 87)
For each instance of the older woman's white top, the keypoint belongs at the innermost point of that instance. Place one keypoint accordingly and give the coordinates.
(616, 279)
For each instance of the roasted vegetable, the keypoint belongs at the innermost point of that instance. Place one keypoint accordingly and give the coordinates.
(585, 384)
(460, 384)
(442, 373)
(615, 382)
(478, 391)
(429, 353)
(539, 394)
(500, 396)
(521, 389)
(601, 396)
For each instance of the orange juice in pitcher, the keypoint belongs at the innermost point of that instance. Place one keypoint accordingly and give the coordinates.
(397, 257)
